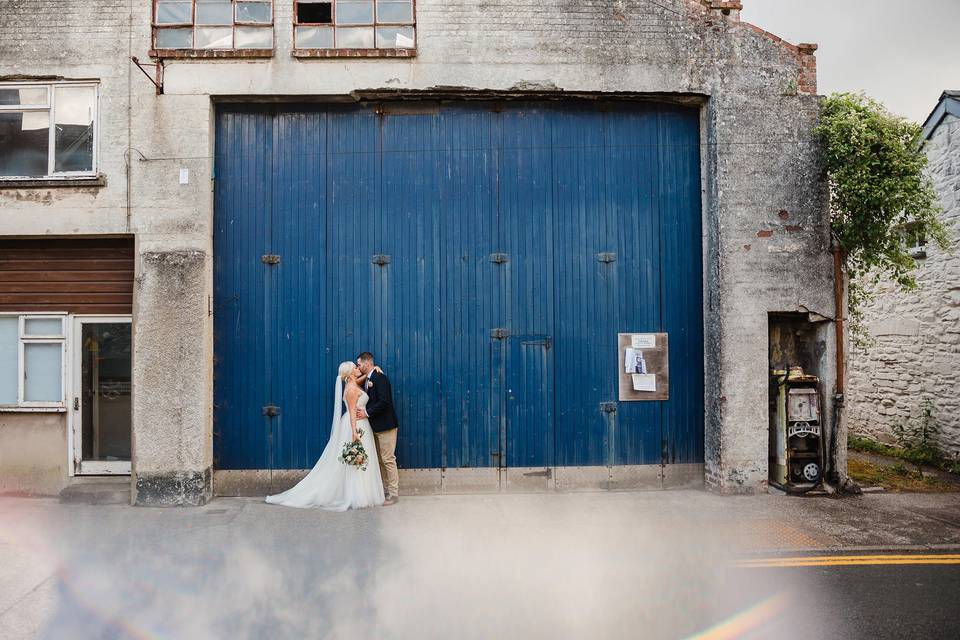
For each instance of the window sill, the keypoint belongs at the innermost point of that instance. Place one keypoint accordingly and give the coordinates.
(53, 183)
(354, 53)
(207, 54)
(12, 409)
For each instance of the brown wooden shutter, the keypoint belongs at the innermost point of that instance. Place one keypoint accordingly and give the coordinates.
(89, 275)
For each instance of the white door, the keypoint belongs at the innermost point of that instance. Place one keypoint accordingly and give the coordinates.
(101, 404)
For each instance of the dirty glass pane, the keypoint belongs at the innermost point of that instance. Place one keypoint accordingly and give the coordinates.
(174, 12)
(43, 327)
(105, 390)
(213, 38)
(8, 359)
(174, 38)
(214, 12)
(73, 111)
(354, 12)
(254, 38)
(394, 37)
(42, 372)
(353, 38)
(24, 140)
(314, 37)
(395, 11)
(253, 12)
(26, 96)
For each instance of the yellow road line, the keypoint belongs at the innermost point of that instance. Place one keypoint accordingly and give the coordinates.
(837, 561)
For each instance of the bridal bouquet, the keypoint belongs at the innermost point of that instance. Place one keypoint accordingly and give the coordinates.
(354, 454)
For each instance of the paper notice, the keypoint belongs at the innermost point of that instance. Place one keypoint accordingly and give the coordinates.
(644, 382)
(643, 341)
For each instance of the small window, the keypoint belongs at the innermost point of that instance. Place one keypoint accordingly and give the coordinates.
(213, 25)
(31, 361)
(48, 130)
(354, 24)
(914, 242)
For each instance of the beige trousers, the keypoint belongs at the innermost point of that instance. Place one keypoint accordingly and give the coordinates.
(387, 448)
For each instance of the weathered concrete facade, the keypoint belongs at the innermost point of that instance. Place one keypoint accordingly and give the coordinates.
(913, 359)
(766, 236)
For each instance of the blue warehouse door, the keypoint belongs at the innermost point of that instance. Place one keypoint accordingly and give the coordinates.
(488, 254)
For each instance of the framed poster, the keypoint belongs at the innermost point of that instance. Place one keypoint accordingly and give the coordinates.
(643, 365)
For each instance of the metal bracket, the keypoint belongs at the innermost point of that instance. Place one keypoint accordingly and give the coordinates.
(271, 410)
(381, 260)
(499, 258)
(158, 83)
(608, 407)
(270, 259)
(499, 333)
(607, 257)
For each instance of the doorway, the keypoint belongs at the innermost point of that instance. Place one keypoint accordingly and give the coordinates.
(102, 397)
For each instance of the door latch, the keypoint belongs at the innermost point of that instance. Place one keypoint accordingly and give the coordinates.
(608, 407)
(76, 403)
(271, 410)
(381, 260)
(270, 258)
(499, 258)
(607, 257)
(499, 333)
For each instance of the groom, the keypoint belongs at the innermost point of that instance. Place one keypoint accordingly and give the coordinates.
(383, 420)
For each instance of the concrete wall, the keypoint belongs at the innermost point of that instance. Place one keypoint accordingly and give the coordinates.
(914, 357)
(765, 231)
(33, 453)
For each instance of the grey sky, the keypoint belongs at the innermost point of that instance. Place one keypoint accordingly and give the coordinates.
(904, 53)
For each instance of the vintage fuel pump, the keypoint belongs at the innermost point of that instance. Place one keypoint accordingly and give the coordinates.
(796, 463)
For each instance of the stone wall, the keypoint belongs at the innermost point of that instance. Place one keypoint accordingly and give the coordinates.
(766, 235)
(914, 357)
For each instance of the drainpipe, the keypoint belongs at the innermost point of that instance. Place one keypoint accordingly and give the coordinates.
(839, 329)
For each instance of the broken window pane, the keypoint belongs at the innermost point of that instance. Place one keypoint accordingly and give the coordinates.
(9, 342)
(24, 143)
(314, 13)
(73, 118)
(354, 38)
(314, 38)
(395, 11)
(394, 37)
(42, 327)
(253, 12)
(214, 12)
(174, 38)
(213, 38)
(355, 12)
(42, 372)
(174, 12)
(254, 38)
(25, 96)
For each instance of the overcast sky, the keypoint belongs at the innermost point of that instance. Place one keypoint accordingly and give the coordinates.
(902, 52)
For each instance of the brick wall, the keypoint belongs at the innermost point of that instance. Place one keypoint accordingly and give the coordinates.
(915, 355)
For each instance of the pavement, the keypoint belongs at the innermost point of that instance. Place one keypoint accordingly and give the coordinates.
(670, 564)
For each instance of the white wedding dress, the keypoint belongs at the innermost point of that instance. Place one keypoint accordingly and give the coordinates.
(331, 484)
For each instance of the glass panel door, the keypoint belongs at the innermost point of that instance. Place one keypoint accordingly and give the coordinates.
(102, 398)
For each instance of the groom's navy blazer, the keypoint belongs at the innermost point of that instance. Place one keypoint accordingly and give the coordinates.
(380, 405)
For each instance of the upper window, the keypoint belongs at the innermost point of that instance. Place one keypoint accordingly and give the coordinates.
(48, 130)
(31, 361)
(231, 25)
(354, 24)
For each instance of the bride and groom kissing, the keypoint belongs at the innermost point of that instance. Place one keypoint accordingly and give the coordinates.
(370, 421)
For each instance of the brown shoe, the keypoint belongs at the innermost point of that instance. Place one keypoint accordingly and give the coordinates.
(391, 500)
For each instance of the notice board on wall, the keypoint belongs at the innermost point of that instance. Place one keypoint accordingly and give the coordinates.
(643, 362)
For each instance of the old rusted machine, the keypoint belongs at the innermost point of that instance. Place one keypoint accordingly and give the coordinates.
(796, 438)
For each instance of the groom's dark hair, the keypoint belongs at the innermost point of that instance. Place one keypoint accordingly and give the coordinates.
(366, 356)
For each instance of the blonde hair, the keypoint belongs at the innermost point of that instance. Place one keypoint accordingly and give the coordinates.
(346, 368)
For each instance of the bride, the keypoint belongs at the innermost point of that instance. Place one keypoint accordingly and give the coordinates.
(331, 484)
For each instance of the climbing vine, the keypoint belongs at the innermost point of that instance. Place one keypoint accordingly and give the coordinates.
(879, 190)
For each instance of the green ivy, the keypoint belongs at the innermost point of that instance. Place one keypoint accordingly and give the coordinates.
(878, 186)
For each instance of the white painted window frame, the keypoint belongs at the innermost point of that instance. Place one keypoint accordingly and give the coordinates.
(23, 406)
(77, 465)
(50, 108)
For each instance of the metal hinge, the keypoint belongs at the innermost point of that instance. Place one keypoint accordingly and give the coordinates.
(499, 258)
(270, 259)
(608, 407)
(499, 334)
(271, 410)
(607, 257)
(381, 259)
(76, 404)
